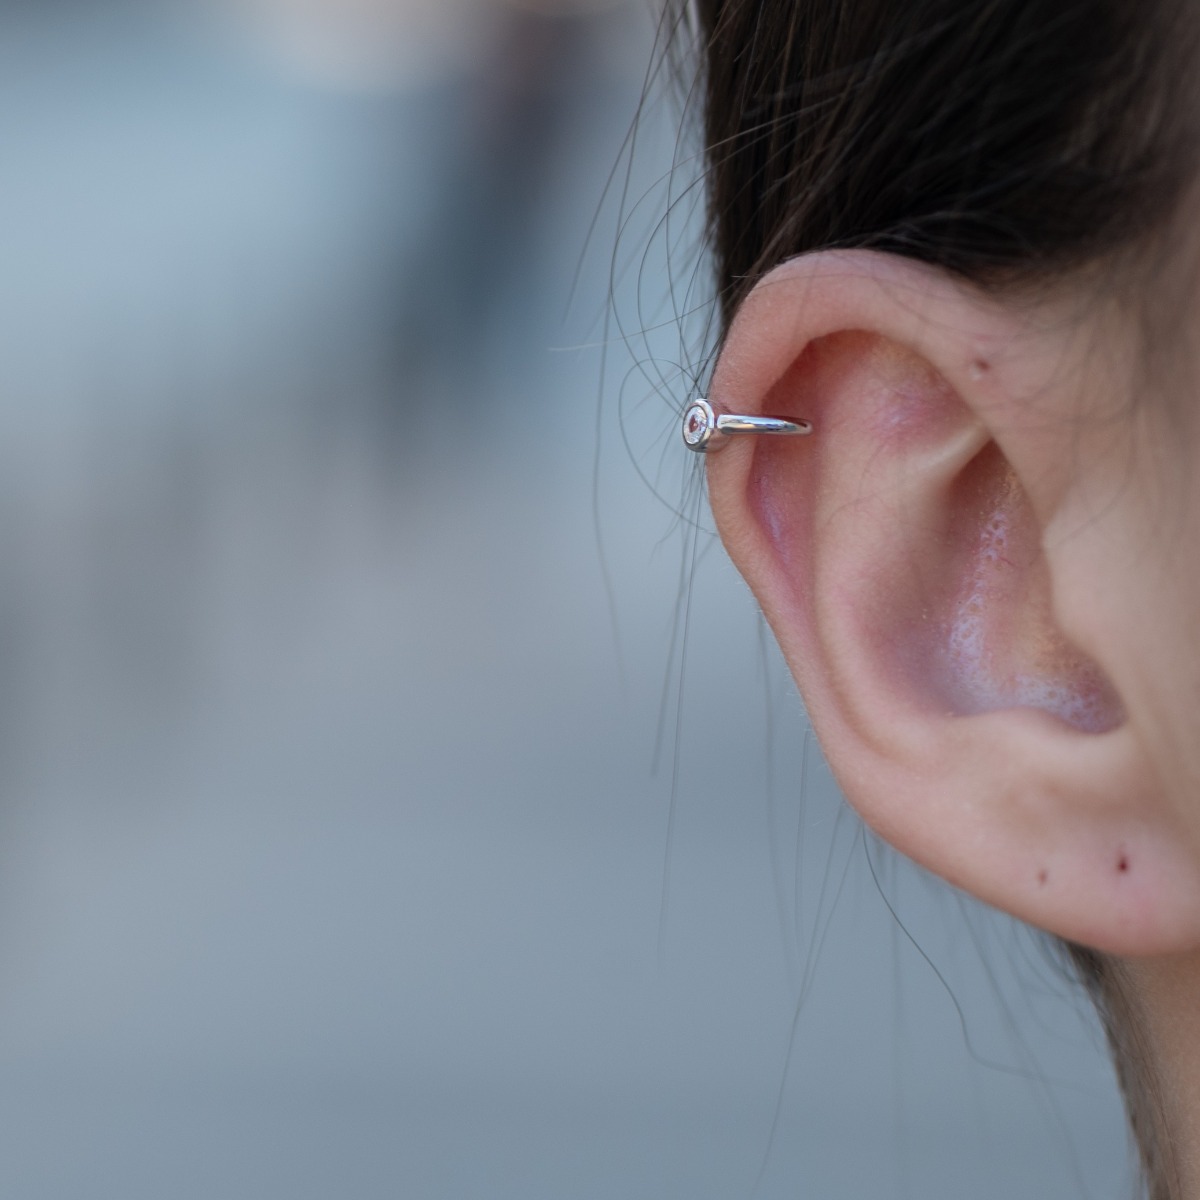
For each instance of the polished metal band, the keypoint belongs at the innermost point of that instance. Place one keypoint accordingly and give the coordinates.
(704, 430)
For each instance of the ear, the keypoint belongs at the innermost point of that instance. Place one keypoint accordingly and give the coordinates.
(966, 685)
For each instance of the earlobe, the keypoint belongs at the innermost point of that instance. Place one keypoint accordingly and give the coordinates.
(899, 555)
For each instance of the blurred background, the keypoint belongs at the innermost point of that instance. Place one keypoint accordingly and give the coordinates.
(400, 797)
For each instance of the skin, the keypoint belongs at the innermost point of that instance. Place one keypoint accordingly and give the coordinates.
(981, 571)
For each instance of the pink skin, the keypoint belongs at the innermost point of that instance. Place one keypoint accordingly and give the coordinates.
(980, 569)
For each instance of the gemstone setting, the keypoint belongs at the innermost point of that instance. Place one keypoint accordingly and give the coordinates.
(699, 425)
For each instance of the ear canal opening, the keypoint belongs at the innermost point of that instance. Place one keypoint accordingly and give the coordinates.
(997, 644)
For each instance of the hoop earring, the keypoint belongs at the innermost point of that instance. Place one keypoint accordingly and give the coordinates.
(705, 431)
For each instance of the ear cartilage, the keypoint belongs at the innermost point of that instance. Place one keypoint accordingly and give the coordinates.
(705, 431)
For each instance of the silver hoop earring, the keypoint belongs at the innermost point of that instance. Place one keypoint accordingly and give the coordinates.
(705, 431)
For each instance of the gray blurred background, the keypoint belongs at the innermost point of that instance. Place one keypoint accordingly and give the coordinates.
(400, 797)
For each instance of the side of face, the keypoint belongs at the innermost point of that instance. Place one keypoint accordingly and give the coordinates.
(980, 570)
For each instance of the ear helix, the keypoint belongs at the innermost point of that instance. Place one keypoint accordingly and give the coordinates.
(704, 430)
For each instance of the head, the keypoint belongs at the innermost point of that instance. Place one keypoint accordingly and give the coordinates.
(961, 239)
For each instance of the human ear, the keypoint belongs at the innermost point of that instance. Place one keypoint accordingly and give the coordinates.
(972, 708)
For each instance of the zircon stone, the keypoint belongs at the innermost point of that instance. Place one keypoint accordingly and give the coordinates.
(695, 425)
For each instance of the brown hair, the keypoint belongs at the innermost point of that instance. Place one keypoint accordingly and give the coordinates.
(1000, 139)
(1102, 978)
(1007, 141)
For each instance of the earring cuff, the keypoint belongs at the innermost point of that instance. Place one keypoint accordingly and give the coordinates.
(705, 431)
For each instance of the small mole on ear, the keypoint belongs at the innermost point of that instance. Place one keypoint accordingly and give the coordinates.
(979, 368)
(1043, 876)
(1122, 861)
